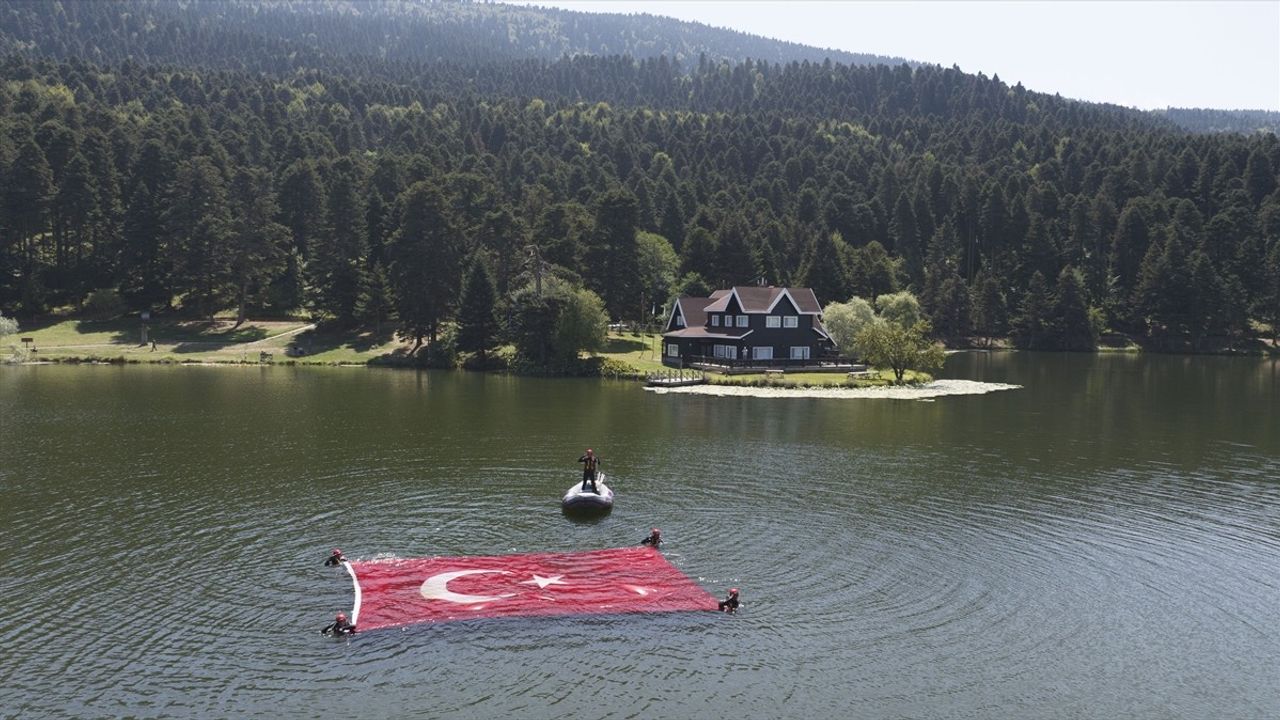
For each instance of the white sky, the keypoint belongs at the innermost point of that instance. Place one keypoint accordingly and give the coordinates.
(1150, 54)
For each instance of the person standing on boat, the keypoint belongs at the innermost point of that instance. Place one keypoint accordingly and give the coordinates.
(590, 463)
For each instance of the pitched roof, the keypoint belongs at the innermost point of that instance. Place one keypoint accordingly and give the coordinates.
(694, 310)
(708, 333)
(756, 299)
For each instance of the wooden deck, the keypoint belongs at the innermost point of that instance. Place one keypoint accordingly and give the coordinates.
(675, 378)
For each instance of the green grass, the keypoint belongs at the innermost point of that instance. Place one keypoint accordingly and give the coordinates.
(201, 341)
(643, 352)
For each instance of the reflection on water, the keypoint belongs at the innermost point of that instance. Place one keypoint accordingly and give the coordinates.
(1103, 543)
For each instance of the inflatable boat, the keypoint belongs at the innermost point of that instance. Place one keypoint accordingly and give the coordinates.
(581, 500)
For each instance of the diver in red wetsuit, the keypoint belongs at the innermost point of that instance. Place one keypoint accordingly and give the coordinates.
(339, 626)
(730, 603)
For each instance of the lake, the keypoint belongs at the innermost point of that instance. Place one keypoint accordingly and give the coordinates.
(1104, 542)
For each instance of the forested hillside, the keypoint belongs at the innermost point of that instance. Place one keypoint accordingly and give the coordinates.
(279, 34)
(1207, 120)
(363, 188)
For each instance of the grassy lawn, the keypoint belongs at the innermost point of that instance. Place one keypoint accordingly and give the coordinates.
(640, 351)
(218, 341)
(202, 341)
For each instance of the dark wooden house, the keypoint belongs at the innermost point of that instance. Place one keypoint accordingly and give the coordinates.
(747, 325)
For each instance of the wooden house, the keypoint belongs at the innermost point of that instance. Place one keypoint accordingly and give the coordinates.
(747, 325)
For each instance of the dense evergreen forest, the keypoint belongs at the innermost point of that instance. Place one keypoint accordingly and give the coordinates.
(1208, 120)
(278, 34)
(196, 157)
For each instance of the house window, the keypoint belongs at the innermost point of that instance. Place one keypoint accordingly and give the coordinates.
(791, 321)
(679, 321)
(726, 351)
(715, 321)
(762, 353)
(742, 321)
(773, 321)
(799, 352)
(673, 350)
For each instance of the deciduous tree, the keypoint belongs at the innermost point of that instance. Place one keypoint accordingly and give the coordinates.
(890, 345)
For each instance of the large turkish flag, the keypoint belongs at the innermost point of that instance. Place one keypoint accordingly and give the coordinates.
(399, 592)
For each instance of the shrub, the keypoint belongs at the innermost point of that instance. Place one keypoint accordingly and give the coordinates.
(104, 304)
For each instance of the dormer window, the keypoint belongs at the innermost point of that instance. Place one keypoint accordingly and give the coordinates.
(742, 321)
(773, 321)
(715, 321)
(791, 321)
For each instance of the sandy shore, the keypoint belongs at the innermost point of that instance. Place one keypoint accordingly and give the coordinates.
(928, 391)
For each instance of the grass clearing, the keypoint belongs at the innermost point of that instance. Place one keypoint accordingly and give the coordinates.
(643, 352)
(217, 341)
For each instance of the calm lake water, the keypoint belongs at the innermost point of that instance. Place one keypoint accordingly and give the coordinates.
(1104, 543)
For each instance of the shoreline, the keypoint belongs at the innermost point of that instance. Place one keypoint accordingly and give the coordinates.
(926, 392)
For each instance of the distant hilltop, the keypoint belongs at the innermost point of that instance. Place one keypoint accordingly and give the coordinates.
(307, 34)
(1208, 120)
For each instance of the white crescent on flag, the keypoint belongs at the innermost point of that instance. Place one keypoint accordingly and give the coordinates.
(436, 587)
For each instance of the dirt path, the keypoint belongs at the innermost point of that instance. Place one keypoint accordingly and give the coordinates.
(286, 333)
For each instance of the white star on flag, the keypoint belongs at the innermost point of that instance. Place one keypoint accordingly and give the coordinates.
(543, 582)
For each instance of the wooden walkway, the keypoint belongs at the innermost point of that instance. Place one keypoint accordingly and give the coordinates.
(675, 378)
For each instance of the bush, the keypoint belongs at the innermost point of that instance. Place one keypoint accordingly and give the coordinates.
(487, 361)
(615, 368)
(443, 353)
(104, 304)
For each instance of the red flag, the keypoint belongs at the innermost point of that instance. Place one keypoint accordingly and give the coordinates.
(401, 592)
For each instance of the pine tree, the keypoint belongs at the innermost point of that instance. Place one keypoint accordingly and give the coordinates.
(376, 302)
(146, 282)
(257, 242)
(872, 273)
(907, 243)
(1071, 324)
(951, 312)
(426, 252)
(1128, 247)
(1162, 296)
(735, 257)
(1031, 327)
(823, 269)
(612, 261)
(77, 210)
(339, 253)
(1270, 308)
(28, 191)
(993, 224)
(477, 318)
(989, 308)
(699, 254)
(1259, 176)
(197, 223)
